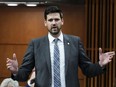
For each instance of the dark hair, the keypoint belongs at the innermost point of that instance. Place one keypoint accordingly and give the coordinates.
(52, 9)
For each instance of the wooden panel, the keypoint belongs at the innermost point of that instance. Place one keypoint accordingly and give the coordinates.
(74, 21)
(101, 33)
(114, 45)
(29, 23)
(19, 22)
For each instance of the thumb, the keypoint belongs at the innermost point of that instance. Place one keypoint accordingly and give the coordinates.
(14, 56)
(100, 51)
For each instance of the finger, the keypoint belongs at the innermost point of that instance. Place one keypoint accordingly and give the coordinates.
(111, 53)
(9, 64)
(9, 67)
(111, 57)
(109, 60)
(100, 51)
(14, 56)
(8, 60)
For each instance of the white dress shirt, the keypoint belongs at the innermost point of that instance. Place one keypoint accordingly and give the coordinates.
(62, 58)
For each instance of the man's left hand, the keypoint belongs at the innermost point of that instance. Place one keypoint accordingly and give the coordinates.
(105, 58)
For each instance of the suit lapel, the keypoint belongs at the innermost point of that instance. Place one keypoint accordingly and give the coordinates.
(67, 51)
(47, 52)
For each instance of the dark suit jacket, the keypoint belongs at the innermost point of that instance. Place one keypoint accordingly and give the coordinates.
(38, 55)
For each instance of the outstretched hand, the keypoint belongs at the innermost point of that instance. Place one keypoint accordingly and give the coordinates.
(12, 64)
(105, 58)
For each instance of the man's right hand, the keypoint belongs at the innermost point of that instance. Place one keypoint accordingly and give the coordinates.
(12, 64)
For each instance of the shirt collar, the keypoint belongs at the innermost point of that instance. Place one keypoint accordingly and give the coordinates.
(51, 38)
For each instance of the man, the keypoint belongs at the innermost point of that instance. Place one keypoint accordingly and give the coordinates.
(56, 57)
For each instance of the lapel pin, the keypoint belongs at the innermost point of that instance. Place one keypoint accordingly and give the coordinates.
(68, 43)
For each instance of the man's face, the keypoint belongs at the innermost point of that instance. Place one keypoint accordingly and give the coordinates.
(54, 23)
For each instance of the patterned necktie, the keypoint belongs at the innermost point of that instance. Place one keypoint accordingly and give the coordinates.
(56, 65)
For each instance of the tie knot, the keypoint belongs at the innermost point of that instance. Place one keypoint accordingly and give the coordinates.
(56, 40)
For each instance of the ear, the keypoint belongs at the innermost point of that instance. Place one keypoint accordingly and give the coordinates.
(45, 23)
(62, 22)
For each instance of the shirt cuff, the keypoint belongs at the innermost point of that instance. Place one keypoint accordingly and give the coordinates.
(29, 83)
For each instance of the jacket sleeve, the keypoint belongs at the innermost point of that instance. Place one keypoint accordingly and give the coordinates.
(88, 68)
(27, 64)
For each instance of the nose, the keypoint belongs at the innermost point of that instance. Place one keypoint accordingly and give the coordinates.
(53, 22)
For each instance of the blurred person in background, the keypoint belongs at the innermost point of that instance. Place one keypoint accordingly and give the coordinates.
(8, 82)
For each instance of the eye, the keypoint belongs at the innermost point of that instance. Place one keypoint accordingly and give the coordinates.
(57, 19)
(50, 20)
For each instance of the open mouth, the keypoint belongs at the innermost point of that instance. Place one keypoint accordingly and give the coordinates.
(54, 28)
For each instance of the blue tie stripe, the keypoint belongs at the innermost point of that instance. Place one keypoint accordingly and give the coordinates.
(57, 82)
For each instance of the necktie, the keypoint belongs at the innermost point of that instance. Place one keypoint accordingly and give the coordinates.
(57, 82)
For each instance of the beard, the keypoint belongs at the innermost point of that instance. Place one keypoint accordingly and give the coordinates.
(54, 30)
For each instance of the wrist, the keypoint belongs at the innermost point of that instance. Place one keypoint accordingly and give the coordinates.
(15, 71)
(101, 64)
